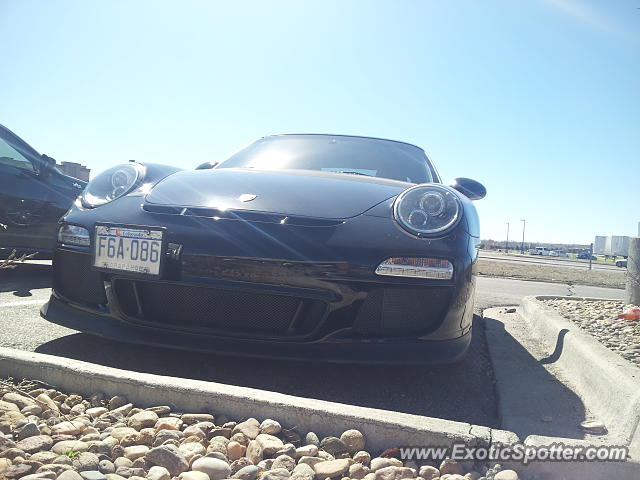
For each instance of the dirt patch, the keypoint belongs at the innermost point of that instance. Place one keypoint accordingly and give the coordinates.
(550, 273)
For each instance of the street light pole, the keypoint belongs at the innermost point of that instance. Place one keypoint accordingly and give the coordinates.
(524, 224)
(507, 246)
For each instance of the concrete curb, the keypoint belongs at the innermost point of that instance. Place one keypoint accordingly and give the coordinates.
(608, 384)
(383, 429)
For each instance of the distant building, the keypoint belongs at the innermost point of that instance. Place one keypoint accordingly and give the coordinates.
(75, 170)
(613, 245)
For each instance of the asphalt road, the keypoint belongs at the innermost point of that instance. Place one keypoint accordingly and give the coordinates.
(463, 392)
(552, 261)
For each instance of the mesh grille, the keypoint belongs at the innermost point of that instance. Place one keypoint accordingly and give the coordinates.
(402, 310)
(203, 308)
(74, 279)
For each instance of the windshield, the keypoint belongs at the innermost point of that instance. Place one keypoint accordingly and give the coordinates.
(13, 158)
(339, 154)
(15, 152)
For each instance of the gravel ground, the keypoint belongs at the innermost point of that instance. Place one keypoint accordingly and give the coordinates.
(599, 318)
(550, 273)
(48, 435)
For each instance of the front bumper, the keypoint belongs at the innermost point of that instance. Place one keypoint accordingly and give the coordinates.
(263, 289)
(387, 351)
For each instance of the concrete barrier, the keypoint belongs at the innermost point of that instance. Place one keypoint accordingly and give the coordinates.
(382, 428)
(608, 384)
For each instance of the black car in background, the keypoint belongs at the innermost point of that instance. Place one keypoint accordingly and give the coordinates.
(319, 247)
(34, 194)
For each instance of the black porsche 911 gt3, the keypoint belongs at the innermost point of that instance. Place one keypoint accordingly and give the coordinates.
(319, 247)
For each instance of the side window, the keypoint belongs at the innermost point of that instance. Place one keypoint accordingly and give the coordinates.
(11, 157)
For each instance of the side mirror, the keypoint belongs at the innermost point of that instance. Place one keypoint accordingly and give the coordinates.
(469, 188)
(207, 165)
(48, 164)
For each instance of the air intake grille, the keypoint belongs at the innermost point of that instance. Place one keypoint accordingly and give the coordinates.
(227, 312)
(398, 311)
(74, 279)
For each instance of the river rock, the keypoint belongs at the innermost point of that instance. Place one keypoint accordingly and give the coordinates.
(250, 428)
(215, 468)
(394, 473)
(19, 400)
(73, 427)
(353, 440)
(254, 452)
(506, 475)
(276, 474)
(92, 475)
(29, 430)
(269, 443)
(362, 457)
(143, 419)
(303, 472)
(333, 445)
(382, 462)
(69, 475)
(35, 444)
(284, 461)
(193, 476)
(66, 446)
(169, 457)
(250, 472)
(358, 471)
(449, 466)
(85, 461)
(270, 427)
(428, 472)
(158, 473)
(331, 468)
(135, 451)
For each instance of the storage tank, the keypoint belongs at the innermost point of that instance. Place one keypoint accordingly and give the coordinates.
(599, 244)
(619, 246)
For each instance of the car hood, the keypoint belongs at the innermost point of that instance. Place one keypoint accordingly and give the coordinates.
(288, 192)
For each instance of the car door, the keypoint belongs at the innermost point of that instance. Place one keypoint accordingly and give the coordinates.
(32, 196)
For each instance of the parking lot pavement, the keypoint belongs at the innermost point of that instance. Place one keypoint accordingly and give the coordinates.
(492, 291)
(533, 394)
(463, 392)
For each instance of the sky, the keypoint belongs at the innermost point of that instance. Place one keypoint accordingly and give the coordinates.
(537, 99)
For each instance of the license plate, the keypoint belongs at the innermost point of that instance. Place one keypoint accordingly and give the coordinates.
(128, 249)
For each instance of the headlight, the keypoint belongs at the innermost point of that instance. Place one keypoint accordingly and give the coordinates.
(111, 184)
(427, 209)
